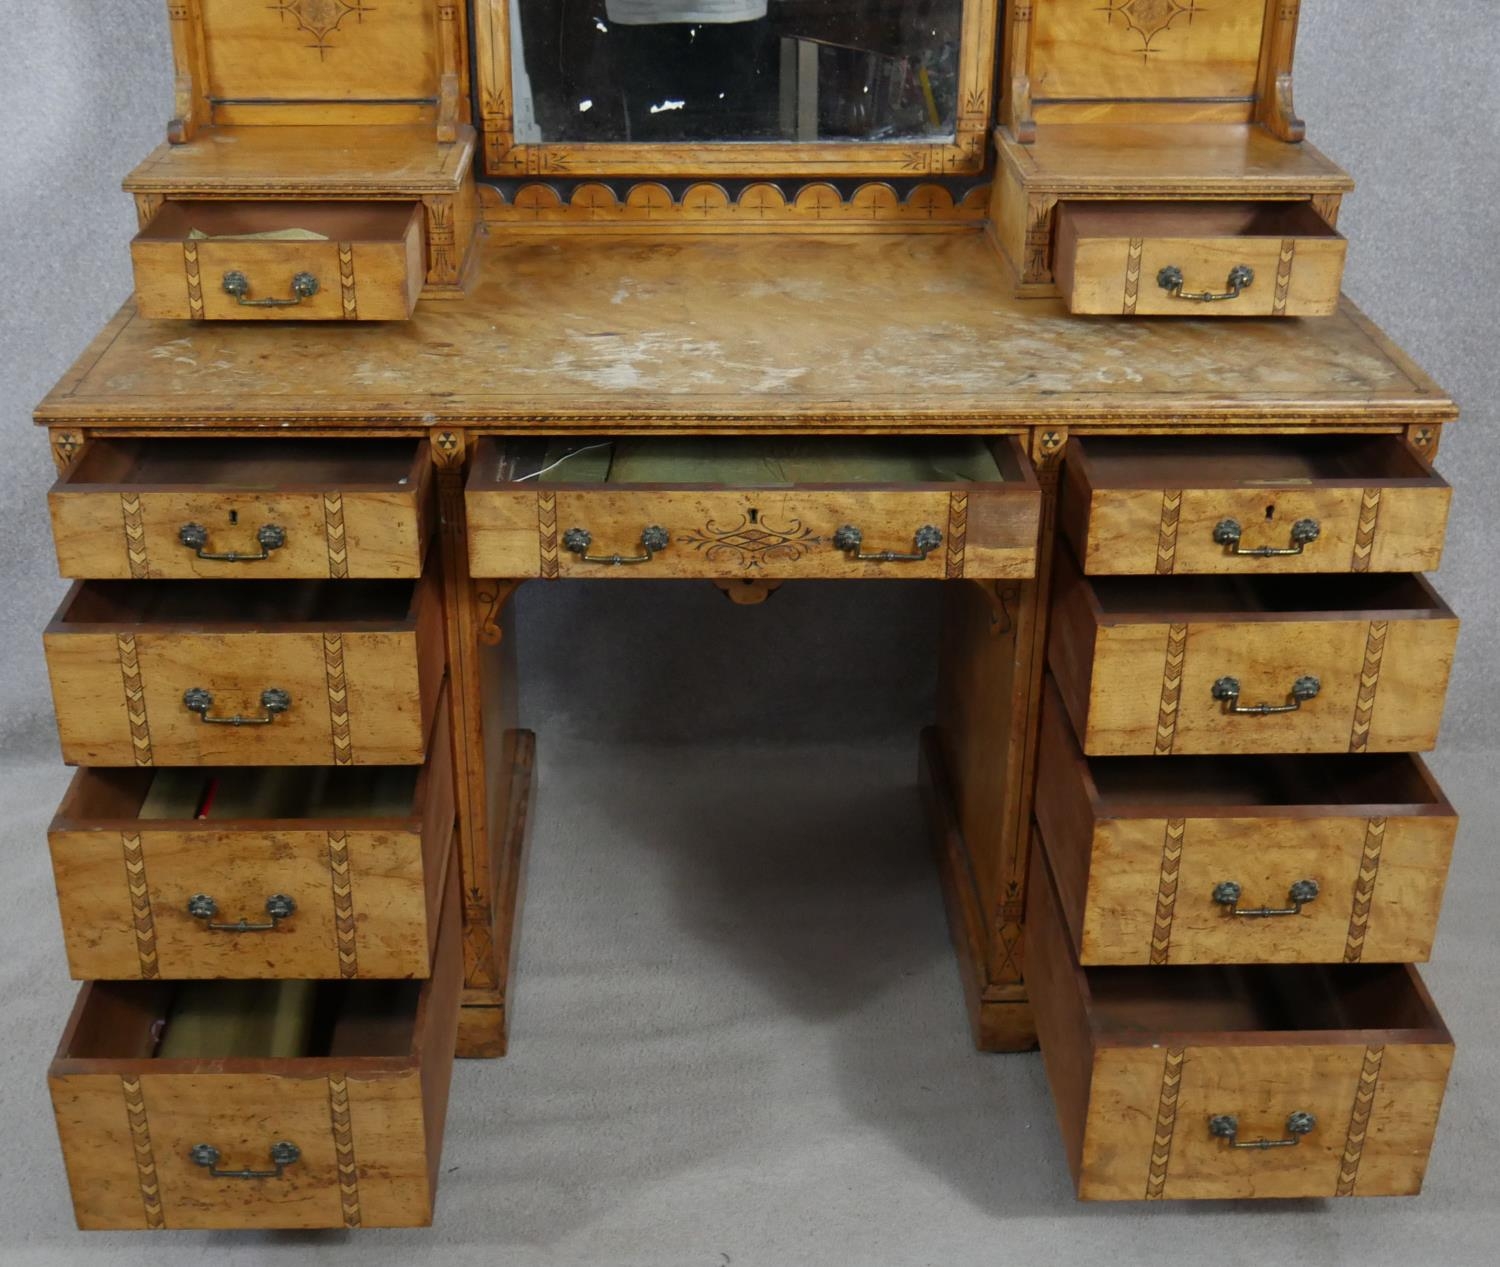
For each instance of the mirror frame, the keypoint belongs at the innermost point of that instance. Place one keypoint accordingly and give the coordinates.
(963, 154)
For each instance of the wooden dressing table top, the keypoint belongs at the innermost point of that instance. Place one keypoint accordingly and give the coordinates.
(741, 333)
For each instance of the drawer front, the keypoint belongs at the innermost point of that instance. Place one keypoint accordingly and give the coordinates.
(343, 277)
(1258, 504)
(368, 1131)
(1137, 1106)
(754, 533)
(1145, 883)
(1136, 261)
(364, 894)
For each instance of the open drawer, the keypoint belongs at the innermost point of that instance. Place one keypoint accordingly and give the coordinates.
(246, 672)
(1255, 859)
(1151, 666)
(1317, 503)
(1201, 259)
(348, 1133)
(731, 507)
(281, 261)
(255, 872)
(1222, 1082)
(137, 509)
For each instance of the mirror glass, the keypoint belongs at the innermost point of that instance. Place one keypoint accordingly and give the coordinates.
(665, 71)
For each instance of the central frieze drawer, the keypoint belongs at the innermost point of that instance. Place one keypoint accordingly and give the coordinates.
(1152, 666)
(246, 672)
(327, 1113)
(1171, 505)
(1198, 259)
(923, 507)
(142, 509)
(1226, 1082)
(300, 872)
(1255, 859)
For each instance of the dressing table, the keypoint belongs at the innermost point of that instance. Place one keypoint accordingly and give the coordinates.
(412, 329)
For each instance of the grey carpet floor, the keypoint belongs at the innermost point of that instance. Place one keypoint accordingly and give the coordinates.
(740, 1041)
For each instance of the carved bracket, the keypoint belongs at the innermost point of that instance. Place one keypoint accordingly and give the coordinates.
(490, 598)
(747, 593)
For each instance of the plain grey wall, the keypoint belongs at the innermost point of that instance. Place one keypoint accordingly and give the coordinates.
(1410, 106)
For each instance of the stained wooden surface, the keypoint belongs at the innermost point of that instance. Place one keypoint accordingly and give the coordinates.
(715, 333)
(1140, 1059)
(1138, 845)
(369, 1124)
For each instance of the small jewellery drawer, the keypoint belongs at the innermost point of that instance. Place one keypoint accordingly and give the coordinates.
(246, 672)
(143, 509)
(167, 1122)
(748, 508)
(1256, 859)
(1199, 259)
(1227, 1082)
(1184, 504)
(280, 261)
(255, 872)
(1150, 666)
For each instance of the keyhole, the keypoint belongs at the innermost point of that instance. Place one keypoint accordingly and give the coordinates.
(754, 514)
(234, 516)
(1270, 512)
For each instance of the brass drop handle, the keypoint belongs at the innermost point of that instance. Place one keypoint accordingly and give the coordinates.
(273, 699)
(1227, 533)
(850, 540)
(578, 541)
(283, 1154)
(1226, 1126)
(202, 907)
(1241, 278)
(1227, 690)
(304, 286)
(195, 538)
(1227, 894)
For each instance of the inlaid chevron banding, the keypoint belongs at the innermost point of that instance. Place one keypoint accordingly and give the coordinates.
(335, 536)
(1369, 685)
(1166, 889)
(193, 277)
(958, 532)
(338, 699)
(1171, 689)
(342, 1123)
(546, 522)
(1364, 536)
(346, 282)
(1166, 1123)
(1133, 275)
(343, 903)
(1359, 1121)
(145, 1159)
(140, 904)
(135, 536)
(1166, 534)
(135, 698)
(1284, 275)
(1364, 890)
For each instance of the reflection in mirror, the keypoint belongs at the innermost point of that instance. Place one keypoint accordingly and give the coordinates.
(734, 70)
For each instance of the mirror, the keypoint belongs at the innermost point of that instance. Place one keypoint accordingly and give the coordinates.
(654, 72)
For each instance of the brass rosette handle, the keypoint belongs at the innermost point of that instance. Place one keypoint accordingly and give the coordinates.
(278, 907)
(1227, 533)
(1241, 278)
(1227, 894)
(283, 1154)
(1227, 691)
(273, 700)
(1226, 1126)
(236, 284)
(580, 540)
(195, 537)
(851, 541)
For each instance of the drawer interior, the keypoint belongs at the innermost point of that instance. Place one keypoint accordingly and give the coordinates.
(281, 221)
(1277, 220)
(1397, 784)
(1214, 1000)
(1245, 461)
(761, 462)
(215, 1020)
(287, 794)
(1248, 597)
(240, 465)
(214, 603)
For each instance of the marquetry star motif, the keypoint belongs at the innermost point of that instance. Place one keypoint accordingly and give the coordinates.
(321, 18)
(1149, 18)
